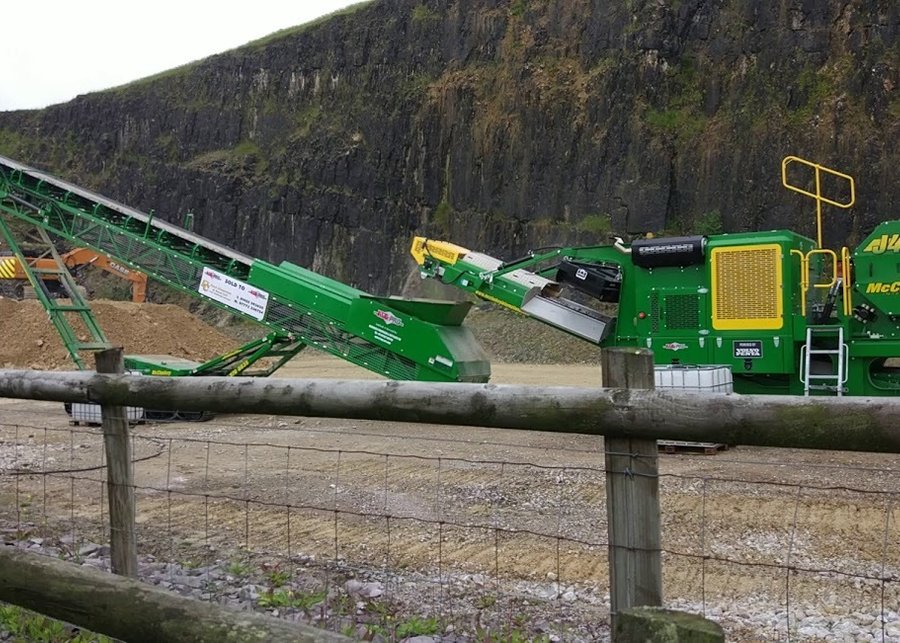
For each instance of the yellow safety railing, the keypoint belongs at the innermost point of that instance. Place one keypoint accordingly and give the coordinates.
(804, 273)
(817, 195)
(845, 277)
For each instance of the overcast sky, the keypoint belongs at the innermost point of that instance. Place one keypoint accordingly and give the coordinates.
(53, 50)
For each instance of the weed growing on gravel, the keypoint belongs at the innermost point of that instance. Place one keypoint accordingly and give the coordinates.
(289, 598)
(416, 626)
(485, 602)
(277, 577)
(388, 626)
(23, 625)
(194, 562)
(238, 568)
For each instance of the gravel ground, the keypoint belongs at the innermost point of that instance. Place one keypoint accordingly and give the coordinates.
(495, 534)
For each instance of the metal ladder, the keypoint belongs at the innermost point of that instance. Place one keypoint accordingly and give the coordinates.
(839, 378)
(74, 320)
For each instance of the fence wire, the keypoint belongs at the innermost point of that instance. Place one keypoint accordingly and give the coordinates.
(397, 530)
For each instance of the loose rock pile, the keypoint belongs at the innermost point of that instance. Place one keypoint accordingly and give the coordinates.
(31, 341)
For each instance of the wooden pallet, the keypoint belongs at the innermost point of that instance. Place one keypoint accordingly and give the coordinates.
(678, 446)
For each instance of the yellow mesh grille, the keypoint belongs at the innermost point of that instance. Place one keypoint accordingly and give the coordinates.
(747, 287)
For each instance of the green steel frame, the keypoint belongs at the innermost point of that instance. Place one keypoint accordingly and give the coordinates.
(668, 307)
(401, 339)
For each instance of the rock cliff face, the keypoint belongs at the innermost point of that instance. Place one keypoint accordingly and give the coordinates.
(499, 124)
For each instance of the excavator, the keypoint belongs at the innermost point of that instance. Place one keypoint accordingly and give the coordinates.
(14, 280)
(785, 314)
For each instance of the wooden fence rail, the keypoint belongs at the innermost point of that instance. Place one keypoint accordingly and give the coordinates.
(133, 611)
(854, 424)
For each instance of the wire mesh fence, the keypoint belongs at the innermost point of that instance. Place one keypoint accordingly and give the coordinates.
(397, 530)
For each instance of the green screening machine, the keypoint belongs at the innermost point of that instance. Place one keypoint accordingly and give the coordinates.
(404, 339)
(784, 314)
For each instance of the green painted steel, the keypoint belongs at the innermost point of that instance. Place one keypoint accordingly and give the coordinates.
(274, 347)
(61, 313)
(733, 299)
(400, 339)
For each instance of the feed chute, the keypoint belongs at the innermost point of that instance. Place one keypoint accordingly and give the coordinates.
(527, 285)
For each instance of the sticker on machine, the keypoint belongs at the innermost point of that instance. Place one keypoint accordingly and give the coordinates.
(748, 349)
(234, 293)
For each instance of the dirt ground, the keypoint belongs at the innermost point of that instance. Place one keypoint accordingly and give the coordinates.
(523, 509)
(31, 341)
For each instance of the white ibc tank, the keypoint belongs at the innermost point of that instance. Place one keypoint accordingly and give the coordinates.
(696, 379)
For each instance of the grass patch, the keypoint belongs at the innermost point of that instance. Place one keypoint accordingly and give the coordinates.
(13, 144)
(812, 88)
(24, 625)
(423, 13)
(598, 224)
(682, 116)
(709, 223)
(417, 626)
(289, 598)
(442, 214)
(518, 8)
(305, 120)
(298, 29)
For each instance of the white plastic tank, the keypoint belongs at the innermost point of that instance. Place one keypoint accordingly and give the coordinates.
(696, 379)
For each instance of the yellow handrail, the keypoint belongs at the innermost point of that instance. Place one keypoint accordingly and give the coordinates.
(845, 276)
(817, 195)
(804, 273)
(804, 279)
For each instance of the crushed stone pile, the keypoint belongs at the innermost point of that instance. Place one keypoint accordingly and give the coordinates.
(31, 341)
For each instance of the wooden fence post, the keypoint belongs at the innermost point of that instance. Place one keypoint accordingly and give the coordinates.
(632, 495)
(119, 474)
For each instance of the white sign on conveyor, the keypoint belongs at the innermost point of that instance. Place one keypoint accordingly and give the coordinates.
(234, 293)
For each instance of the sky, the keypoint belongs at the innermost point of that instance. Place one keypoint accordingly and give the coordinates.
(53, 50)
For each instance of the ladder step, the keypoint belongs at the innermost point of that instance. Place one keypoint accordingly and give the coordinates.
(825, 387)
(825, 336)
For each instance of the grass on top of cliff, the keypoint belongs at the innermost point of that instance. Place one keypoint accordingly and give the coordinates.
(297, 29)
(250, 46)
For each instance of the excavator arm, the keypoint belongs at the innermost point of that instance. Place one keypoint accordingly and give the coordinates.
(80, 257)
(11, 269)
